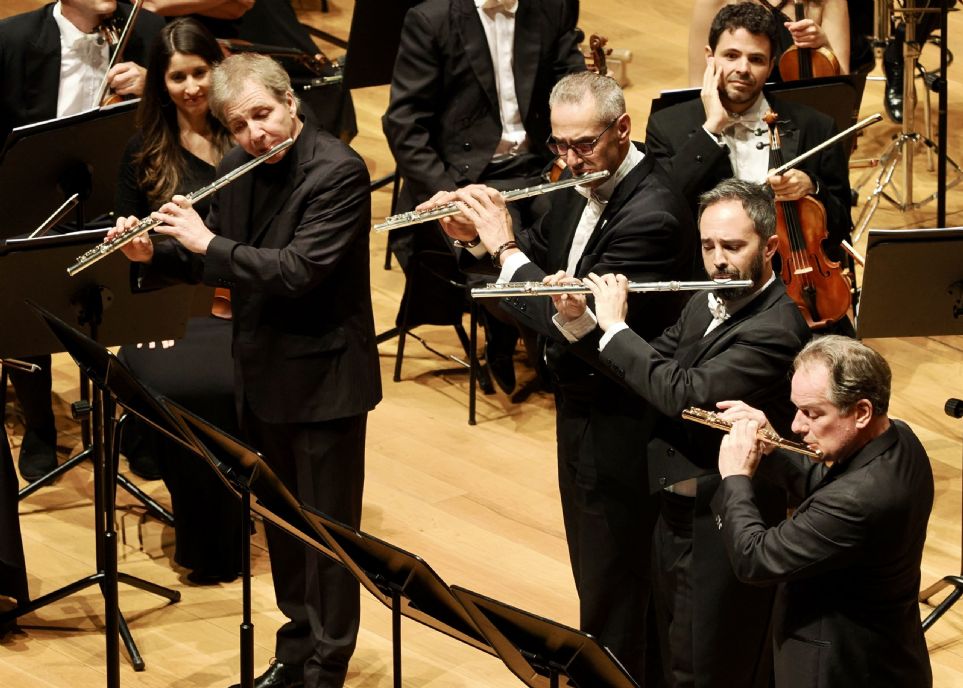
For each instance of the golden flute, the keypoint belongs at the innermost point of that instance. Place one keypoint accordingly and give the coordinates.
(767, 435)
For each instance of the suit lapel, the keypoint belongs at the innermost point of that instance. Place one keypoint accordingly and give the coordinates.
(469, 28)
(620, 196)
(43, 70)
(703, 344)
(526, 55)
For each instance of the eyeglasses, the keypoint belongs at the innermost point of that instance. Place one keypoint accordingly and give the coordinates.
(581, 148)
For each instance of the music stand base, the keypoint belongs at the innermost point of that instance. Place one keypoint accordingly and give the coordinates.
(957, 583)
(98, 579)
(888, 162)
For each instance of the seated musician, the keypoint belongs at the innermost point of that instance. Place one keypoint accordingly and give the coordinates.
(827, 25)
(290, 239)
(713, 629)
(632, 221)
(52, 62)
(847, 562)
(175, 151)
(469, 104)
(723, 134)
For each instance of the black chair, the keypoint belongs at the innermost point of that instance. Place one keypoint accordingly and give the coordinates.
(436, 294)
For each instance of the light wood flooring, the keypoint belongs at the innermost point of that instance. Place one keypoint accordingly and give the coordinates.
(480, 504)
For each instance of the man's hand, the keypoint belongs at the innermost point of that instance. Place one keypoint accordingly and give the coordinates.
(717, 118)
(127, 79)
(739, 452)
(180, 220)
(791, 186)
(569, 306)
(734, 411)
(611, 298)
(456, 226)
(140, 249)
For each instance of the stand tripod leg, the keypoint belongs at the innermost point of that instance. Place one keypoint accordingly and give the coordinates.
(396, 636)
(54, 474)
(154, 507)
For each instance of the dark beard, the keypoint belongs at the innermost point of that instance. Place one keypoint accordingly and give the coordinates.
(754, 273)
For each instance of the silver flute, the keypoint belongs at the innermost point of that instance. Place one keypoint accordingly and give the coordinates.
(497, 290)
(415, 217)
(106, 248)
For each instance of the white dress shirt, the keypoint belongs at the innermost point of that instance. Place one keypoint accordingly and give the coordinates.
(748, 140)
(498, 20)
(83, 64)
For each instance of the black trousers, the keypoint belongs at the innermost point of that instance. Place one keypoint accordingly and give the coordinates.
(323, 466)
(608, 518)
(33, 393)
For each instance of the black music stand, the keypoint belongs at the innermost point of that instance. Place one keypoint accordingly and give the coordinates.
(101, 367)
(540, 651)
(913, 284)
(245, 472)
(917, 274)
(400, 580)
(105, 287)
(49, 161)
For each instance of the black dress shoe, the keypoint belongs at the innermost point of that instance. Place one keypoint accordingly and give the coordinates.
(279, 675)
(38, 454)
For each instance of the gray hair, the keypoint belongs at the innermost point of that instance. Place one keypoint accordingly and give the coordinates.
(756, 200)
(572, 89)
(230, 77)
(855, 371)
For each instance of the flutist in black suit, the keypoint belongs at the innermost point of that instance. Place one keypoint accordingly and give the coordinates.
(632, 222)
(290, 239)
(713, 629)
(847, 562)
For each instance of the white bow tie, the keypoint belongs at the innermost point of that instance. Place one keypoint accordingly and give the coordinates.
(498, 5)
(89, 49)
(717, 307)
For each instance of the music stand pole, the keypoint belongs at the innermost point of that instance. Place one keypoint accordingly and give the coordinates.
(954, 409)
(903, 147)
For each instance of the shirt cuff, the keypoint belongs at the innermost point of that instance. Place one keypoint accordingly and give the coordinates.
(574, 330)
(511, 265)
(715, 137)
(612, 331)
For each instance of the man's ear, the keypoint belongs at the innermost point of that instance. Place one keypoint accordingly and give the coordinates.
(863, 412)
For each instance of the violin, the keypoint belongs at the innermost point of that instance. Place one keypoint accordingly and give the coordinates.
(814, 281)
(317, 65)
(798, 64)
(117, 39)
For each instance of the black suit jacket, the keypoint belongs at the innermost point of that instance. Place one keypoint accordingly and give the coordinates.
(443, 122)
(697, 163)
(746, 357)
(847, 561)
(304, 345)
(30, 62)
(646, 233)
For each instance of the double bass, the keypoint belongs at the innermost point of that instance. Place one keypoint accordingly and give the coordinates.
(814, 281)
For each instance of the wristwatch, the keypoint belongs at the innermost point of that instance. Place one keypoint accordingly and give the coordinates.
(497, 253)
(467, 244)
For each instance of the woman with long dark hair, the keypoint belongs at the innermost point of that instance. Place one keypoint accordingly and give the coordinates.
(176, 151)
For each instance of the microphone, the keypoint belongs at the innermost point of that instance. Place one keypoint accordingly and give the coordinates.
(954, 408)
